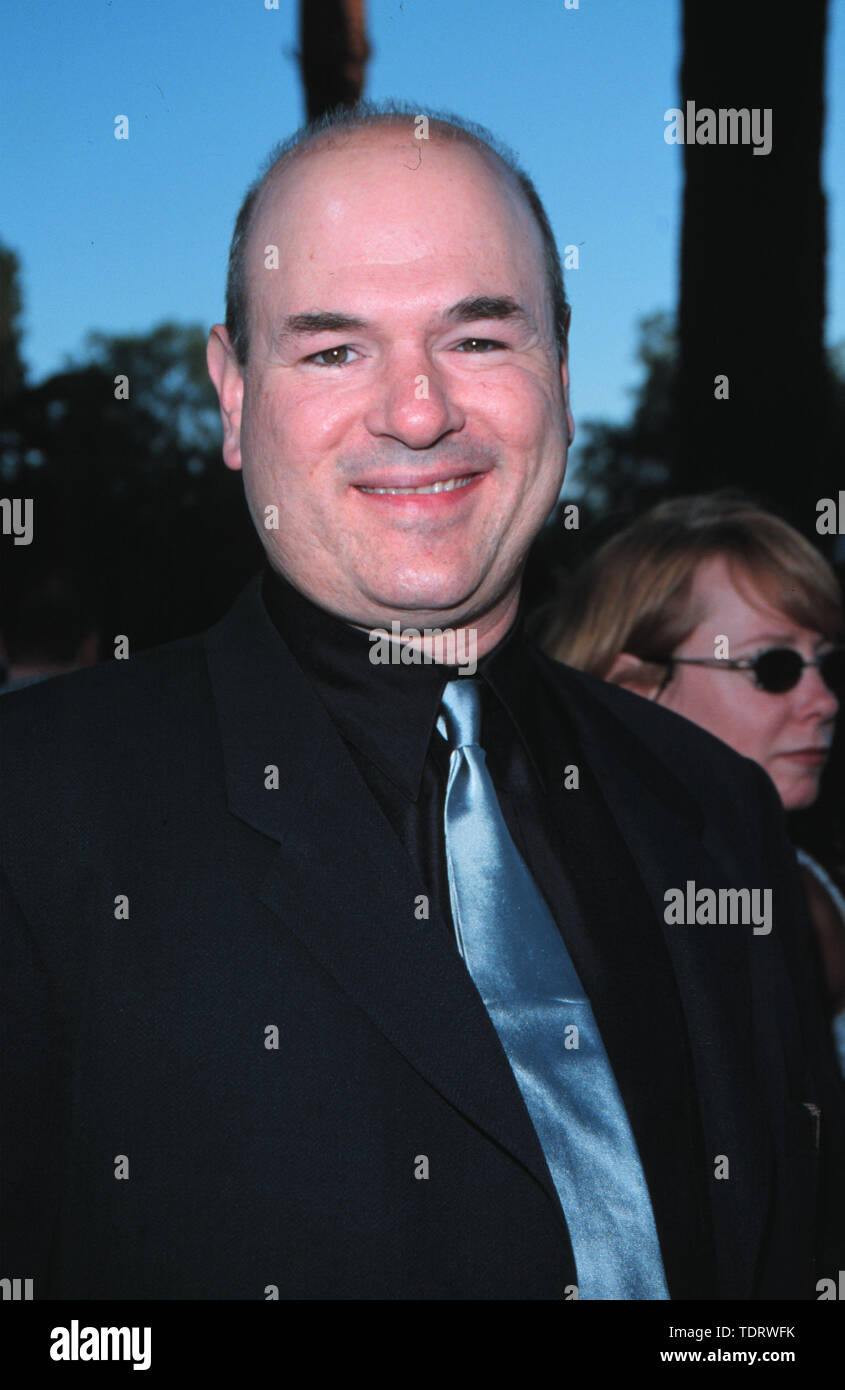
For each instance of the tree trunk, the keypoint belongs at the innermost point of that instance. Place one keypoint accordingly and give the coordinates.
(752, 260)
(333, 53)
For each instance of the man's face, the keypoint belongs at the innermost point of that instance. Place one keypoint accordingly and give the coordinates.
(339, 427)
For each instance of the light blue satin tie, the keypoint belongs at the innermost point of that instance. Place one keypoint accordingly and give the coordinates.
(523, 972)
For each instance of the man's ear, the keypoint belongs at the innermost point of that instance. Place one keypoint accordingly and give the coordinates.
(226, 373)
(642, 677)
(564, 381)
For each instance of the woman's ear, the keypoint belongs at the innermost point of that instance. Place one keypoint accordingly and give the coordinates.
(642, 677)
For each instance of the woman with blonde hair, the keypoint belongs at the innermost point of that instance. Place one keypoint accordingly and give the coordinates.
(727, 615)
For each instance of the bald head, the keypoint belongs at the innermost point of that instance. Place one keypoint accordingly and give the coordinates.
(373, 206)
(347, 136)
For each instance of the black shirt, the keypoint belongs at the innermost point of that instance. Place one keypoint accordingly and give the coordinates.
(387, 715)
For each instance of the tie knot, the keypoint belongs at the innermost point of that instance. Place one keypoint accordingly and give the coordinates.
(460, 713)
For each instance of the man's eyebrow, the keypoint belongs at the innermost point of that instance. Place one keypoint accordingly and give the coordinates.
(321, 321)
(465, 311)
(484, 306)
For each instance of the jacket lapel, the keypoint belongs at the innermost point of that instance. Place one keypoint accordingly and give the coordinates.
(665, 832)
(343, 883)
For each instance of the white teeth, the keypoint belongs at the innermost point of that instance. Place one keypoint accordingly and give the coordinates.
(448, 486)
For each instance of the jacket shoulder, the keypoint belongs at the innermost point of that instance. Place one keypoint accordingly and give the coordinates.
(76, 748)
(111, 700)
(691, 753)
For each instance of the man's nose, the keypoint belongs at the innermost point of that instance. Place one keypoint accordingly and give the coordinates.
(412, 402)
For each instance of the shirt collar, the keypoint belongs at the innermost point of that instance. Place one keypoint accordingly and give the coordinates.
(387, 711)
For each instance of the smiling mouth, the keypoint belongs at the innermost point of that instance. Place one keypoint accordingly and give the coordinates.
(448, 485)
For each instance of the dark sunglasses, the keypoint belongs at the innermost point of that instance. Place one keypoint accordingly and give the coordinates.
(777, 670)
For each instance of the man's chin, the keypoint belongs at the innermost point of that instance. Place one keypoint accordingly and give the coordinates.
(399, 589)
(416, 606)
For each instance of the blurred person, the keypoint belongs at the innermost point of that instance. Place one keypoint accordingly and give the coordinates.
(46, 630)
(725, 614)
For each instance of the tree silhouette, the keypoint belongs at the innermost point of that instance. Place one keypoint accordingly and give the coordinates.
(129, 495)
(632, 464)
(333, 53)
(12, 371)
(752, 260)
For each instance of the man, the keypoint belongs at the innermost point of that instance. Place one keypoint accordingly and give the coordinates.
(338, 972)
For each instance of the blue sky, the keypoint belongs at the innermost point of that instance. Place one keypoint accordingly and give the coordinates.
(118, 235)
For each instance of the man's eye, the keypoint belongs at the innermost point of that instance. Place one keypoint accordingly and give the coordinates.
(484, 342)
(333, 355)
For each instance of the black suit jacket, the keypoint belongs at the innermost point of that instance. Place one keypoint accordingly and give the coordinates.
(230, 1090)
